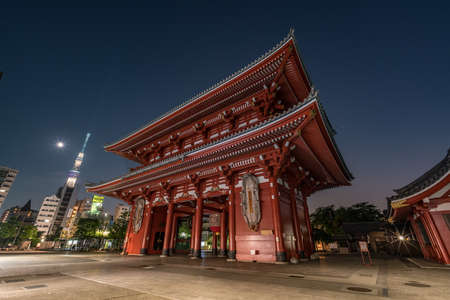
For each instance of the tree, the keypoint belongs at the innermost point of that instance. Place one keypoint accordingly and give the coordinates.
(324, 219)
(119, 230)
(321, 236)
(29, 233)
(8, 231)
(16, 232)
(55, 236)
(329, 220)
(87, 228)
(87, 233)
(364, 212)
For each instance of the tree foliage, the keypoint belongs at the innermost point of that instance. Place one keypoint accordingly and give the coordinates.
(87, 228)
(55, 236)
(119, 228)
(327, 221)
(8, 231)
(29, 233)
(14, 231)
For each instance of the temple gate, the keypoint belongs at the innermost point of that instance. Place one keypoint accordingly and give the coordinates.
(252, 149)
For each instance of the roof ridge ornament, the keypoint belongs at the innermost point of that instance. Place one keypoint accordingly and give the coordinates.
(291, 32)
(313, 93)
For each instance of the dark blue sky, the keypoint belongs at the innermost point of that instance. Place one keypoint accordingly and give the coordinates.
(382, 70)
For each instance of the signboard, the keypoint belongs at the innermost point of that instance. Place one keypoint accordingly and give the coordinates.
(364, 250)
(97, 204)
(363, 246)
(333, 246)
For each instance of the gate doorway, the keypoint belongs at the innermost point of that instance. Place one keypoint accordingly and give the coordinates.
(159, 241)
(183, 234)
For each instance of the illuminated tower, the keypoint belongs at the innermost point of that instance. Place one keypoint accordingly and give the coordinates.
(69, 187)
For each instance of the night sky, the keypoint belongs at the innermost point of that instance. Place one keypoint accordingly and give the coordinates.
(382, 70)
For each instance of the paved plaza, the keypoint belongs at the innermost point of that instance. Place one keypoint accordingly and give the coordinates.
(93, 276)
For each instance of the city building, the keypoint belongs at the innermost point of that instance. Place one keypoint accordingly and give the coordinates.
(7, 177)
(424, 205)
(23, 214)
(12, 211)
(70, 224)
(251, 149)
(119, 210)
(61, 210)
(85, 205)
(47, 213)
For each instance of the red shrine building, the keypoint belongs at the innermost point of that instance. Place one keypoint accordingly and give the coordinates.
(425, 205)
(240, 159)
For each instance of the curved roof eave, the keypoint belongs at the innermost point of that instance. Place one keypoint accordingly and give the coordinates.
(443, 165)
(331, 132)
(258, 126)
(407, 197)
(281, 44)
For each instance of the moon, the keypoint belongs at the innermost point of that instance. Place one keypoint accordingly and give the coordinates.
(60, 144)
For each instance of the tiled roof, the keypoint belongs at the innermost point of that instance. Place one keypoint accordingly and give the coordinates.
(181, 156)
(230, 77)
(424, 181)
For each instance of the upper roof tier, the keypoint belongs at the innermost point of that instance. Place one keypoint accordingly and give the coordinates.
(242, 83)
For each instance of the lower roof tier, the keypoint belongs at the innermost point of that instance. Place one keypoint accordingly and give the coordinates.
(299, 135)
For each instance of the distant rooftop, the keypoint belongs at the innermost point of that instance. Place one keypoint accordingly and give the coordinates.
(424, 181)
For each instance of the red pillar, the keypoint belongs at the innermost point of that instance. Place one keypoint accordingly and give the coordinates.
(308, 224)
(198, 228)
(441, 250)
(127, 236)
(419, 237)
(231, 226)
(434, 251)
(223, 235)
(191, 251)
(173, 236)
(146, 238)
(167, 232)
(295, 224)
(214, 243)
(279, 243)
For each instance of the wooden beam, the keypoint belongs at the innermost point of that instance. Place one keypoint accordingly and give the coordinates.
(185, 210)
(316, 160)
(212, 208)
(288, 84)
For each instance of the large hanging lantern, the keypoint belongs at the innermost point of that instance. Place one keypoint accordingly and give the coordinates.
(214, 222)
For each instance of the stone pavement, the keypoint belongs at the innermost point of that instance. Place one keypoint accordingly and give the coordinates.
(426, 264)
(103, 276)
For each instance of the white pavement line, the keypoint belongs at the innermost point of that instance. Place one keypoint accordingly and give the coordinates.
(230, 270)
(44, 265)
(124, 287)
(318, 278)
(425, 267)
(382, 279)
